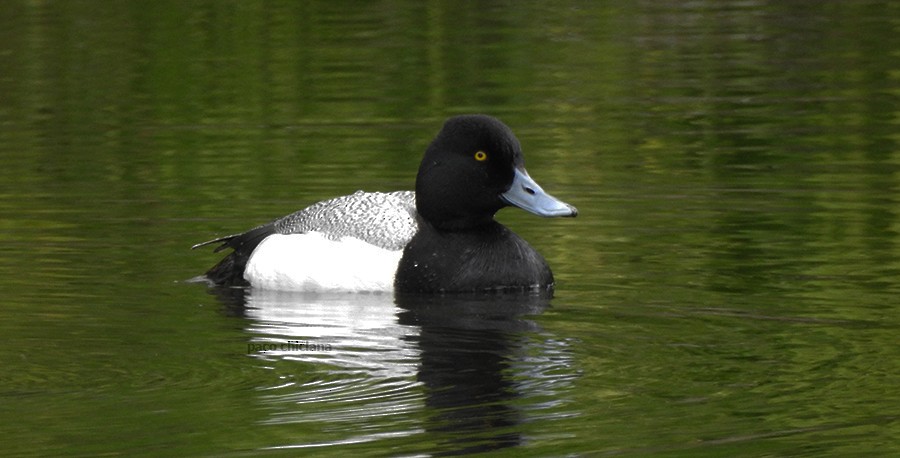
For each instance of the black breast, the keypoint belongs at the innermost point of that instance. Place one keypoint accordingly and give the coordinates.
(485, 258)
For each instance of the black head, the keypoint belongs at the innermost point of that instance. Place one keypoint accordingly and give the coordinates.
(466, 168)
(469, 171)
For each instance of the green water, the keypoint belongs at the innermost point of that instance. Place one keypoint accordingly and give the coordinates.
(729, 288)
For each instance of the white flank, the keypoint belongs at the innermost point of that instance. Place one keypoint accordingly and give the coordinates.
(312, 262)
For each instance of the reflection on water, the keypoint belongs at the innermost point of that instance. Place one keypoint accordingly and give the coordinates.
(350, 331)
(468, 365)
(470, 369)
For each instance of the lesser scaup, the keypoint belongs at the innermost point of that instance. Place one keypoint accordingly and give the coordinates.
(440, 238)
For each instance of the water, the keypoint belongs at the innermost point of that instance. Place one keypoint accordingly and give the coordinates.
(728, 289)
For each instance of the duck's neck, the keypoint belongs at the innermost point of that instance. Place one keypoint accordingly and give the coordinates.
(462, 223)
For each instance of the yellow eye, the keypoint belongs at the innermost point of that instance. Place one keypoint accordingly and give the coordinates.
(480, 156)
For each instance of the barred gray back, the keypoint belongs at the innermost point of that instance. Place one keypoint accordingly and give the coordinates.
(387, 220)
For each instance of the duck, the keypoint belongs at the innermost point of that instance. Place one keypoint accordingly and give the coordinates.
(440, 238)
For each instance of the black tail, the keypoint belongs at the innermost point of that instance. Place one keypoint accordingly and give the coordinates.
(230, 270)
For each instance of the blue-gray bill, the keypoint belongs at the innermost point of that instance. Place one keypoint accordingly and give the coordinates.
(526, 194)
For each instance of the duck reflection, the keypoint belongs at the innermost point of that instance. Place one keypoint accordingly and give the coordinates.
(453, 366)
(467, 346)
